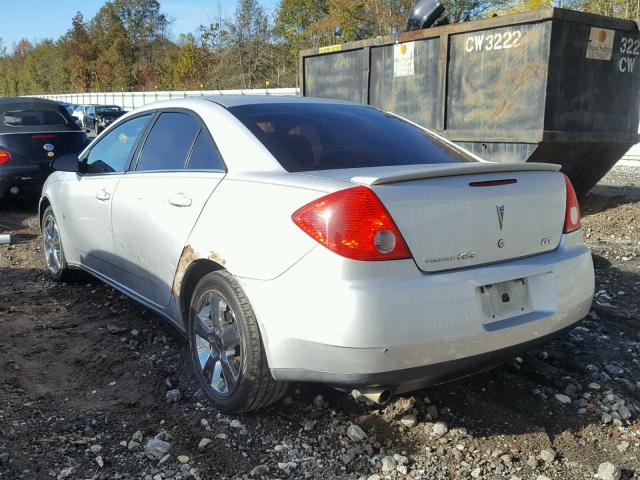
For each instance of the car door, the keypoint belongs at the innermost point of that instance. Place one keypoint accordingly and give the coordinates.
(158, 202)
(86, 200)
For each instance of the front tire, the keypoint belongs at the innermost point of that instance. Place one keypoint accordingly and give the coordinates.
(226, 348)
(54, 258)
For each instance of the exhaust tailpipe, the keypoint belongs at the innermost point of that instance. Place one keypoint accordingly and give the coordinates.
(381, 396)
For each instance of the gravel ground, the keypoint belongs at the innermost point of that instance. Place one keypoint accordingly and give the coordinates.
(623, 180)
(93, 386)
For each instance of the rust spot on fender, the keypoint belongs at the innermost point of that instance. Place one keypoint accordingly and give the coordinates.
(216, 258)
(187, 257)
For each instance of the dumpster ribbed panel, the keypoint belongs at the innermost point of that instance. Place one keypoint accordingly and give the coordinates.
(549, 86)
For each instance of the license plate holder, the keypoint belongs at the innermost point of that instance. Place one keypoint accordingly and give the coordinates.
(505, 299)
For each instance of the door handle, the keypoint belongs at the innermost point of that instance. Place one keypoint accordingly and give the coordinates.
(180, 200)
(103, 195)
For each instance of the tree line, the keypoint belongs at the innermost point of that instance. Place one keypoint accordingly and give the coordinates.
(128, 46)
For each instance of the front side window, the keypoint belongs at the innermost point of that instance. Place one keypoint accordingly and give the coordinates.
(33, 118)
(204, 154)
(169, 142)
(111, 154)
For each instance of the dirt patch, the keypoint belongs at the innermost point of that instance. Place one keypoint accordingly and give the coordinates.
(84, 374)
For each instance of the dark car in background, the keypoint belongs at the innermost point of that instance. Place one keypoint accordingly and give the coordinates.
(99, 117)
(69, 106)
(33, 132)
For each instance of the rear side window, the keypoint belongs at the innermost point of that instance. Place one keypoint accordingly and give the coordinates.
(314, 136)
(112, 152)
(204, 154)
(169, 142)
(33, 118)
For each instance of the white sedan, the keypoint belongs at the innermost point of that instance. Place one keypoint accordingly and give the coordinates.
(298, 239)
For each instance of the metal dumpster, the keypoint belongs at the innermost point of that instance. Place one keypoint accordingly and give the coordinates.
(553, 85)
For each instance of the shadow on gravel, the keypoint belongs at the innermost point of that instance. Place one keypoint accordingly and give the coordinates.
(630, 192)
(14, 213)
(600, 200)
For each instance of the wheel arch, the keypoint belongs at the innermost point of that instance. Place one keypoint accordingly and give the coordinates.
(192, 267)
(42, 206)
(193, 273)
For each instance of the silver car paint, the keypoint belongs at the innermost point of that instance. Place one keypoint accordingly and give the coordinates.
(386, 316)
(317, 311)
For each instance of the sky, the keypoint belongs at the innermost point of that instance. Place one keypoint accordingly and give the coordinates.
(40, 19)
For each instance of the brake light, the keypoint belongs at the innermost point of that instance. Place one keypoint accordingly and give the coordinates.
(572, 212)
(41, 137)
(354, 224)
(5, 157)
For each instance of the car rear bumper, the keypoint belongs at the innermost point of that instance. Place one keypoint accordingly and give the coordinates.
(27, 179)
(387, 324)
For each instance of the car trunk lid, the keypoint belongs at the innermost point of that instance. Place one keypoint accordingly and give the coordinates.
(42, 147)
(463, 215)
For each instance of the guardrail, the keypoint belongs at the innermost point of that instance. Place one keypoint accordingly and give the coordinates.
(131, 100)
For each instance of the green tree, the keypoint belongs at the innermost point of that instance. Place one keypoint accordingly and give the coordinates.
(147, 29)
(82, 54)
(247, 56)
(188, 71)
(114, 51)
(45, 69)
(296, 23)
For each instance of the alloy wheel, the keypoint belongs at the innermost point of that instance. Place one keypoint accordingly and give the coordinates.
(52, 245)
(218, 343)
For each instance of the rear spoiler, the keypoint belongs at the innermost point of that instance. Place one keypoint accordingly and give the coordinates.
(416, 172)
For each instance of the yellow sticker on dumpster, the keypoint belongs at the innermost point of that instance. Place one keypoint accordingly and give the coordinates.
(330, 48)
(600, 46)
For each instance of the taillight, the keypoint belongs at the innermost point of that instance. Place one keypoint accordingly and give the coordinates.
(4, 157)
(353, 223)
(572, 212)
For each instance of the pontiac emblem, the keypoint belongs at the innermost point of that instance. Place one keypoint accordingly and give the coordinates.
(500, 210)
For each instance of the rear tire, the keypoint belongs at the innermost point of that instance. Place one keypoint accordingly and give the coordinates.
(54, 258)
(226, 349)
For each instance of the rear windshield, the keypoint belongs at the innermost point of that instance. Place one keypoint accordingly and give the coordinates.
(312, 136)
(108, 109)
(33, 118)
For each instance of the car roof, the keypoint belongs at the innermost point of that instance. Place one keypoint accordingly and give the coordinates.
(228, 101)
(8, 103)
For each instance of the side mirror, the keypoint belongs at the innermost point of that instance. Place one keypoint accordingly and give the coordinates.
(65, 163)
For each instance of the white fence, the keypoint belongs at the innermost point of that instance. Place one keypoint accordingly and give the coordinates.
(131, 100)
